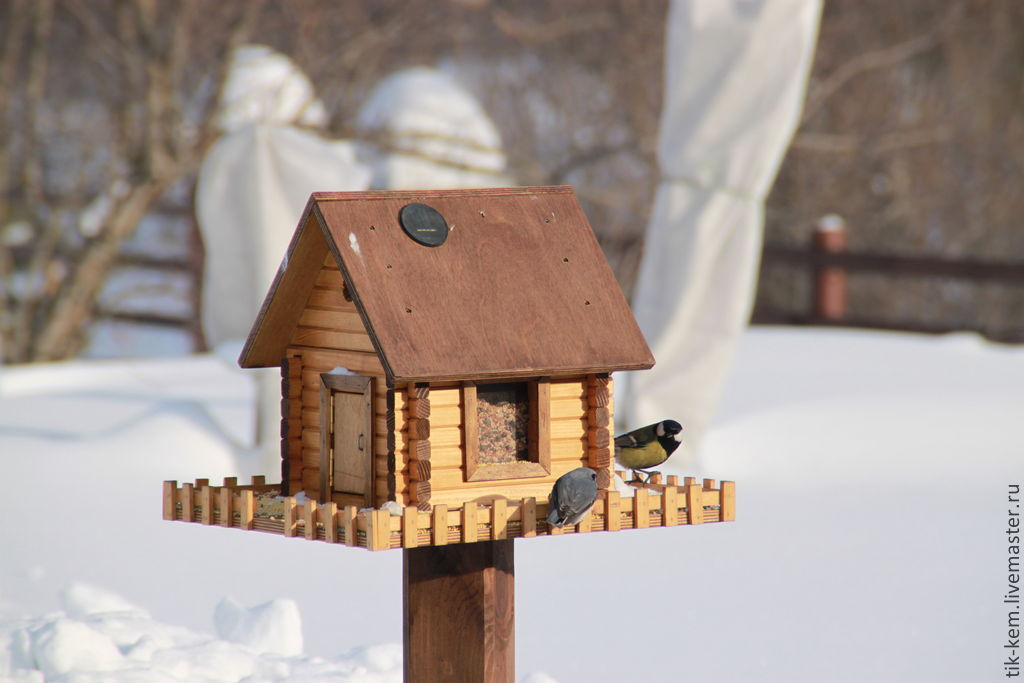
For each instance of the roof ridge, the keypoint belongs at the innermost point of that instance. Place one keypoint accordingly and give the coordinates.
(424, 194)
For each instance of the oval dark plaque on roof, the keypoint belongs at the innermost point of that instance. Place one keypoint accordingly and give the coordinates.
(424, 224)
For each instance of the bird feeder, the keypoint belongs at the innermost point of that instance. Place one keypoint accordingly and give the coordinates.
(445, 356)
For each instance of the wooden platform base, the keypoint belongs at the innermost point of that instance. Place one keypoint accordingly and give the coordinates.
(257, 507)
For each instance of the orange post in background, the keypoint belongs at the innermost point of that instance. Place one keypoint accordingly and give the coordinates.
(830, 237)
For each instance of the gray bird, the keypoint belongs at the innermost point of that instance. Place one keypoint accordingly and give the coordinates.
(648, 446)
(572, 496)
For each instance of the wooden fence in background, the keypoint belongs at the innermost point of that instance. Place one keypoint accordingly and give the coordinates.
(827, 263)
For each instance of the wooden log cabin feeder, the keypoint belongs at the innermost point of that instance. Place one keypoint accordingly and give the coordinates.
(445, 356)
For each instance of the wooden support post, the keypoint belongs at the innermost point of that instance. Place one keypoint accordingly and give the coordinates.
(309, 519)
(227, 516)
(641, 509)
(290, 523)
(170, 490)
(206, 504)
(528, 510)
(410, 527)
(371, 530)
(247, 510)
(383, 529)
(499, 519)
(188, 503)
(349, 524)
(599, 426)
(440, 525)
(417, 438)
(469, 524)
(459, 612)
(670, 506)
(694, 504)
(329, 518)
(728, 501)
(378, 530)
(612, 520)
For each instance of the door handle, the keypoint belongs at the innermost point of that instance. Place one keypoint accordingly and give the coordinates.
(360, 442)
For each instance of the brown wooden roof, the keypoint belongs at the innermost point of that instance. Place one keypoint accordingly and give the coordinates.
(520, 288)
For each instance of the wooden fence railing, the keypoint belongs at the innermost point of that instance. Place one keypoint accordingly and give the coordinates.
(257, 507)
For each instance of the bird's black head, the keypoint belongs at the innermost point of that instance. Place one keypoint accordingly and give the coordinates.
(670, 428)
(669, 434)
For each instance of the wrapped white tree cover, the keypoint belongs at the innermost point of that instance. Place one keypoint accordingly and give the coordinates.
(735, 76)
(252, 187)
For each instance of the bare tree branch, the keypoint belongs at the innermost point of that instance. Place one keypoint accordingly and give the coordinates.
(850, 143)
(531, 32)
(880, 59)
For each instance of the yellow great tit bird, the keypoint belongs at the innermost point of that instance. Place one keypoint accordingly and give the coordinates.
(572, 496)
(648, 446)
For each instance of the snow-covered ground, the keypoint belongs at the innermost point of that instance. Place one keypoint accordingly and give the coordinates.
(871, 469)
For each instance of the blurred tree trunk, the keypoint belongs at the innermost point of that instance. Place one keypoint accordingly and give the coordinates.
(107, 105)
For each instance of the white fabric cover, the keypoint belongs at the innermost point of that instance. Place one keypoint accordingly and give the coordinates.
(735, 76)
(429, 132)
(264, 86)
(252, 187)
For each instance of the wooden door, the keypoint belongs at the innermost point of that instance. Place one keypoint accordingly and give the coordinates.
(351, 443)
(346, 456)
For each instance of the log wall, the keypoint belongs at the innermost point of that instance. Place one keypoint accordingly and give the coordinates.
(438, 451)
(330, 334)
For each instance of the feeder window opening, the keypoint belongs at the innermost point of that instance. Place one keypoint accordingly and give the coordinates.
(503, 415)
(505, 429)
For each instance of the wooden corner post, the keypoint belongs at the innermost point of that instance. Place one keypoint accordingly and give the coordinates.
(459, 612)
(830, 237)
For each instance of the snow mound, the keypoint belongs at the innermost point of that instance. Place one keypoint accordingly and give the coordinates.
(61, 646)
(274, 627)
(82, 600)
(538, 677)
(105, 638)
(375, 662)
